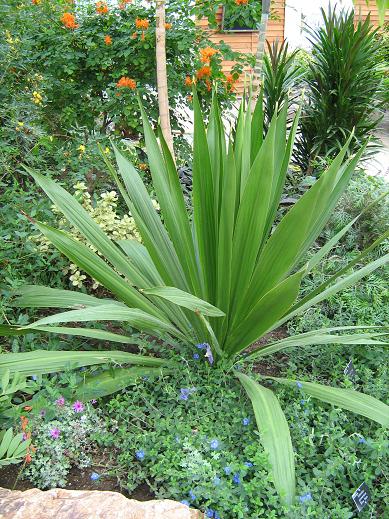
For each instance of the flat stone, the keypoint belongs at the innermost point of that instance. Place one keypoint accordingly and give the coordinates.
(86, 504)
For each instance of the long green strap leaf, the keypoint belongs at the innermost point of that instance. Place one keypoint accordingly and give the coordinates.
(354, 401)
(181, 298)
(110, 312)
(111, 381)
(37, 296)
(274, 436)
(85, 224)
(91, 263)
(42, 361)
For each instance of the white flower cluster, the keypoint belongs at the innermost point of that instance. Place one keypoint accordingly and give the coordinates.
(104, 213)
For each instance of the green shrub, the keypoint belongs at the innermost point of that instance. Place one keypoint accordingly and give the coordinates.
(73, 75)
(343, 89)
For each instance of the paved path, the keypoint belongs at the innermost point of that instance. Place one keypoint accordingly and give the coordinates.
(379, 165)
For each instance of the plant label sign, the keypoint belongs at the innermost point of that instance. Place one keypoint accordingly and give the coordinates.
(361, 496)
(350, 370)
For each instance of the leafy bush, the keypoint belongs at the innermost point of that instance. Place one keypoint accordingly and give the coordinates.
(344, 89)
(221, 287)
(80, 66)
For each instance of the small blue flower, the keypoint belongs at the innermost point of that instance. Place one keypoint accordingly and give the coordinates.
(216, 481)
(208, 354)
(196, 356)
(303, 402)
(192, 495)
(202, 346)
(185, 502)
(140, 454)
(216, 515)
(94, 476)
(34, 377)
(214, 444)
(305, 497)
(227, 470)
(210, 512)
(246, 421)
(362, 440)
(184, 393)
(248, 463)
(177, 438)
(236, 479)
(299, 385)
(145, 378)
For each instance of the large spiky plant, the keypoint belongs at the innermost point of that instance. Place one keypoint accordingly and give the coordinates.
(223, 276)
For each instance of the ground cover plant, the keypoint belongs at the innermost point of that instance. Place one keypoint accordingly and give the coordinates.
(219, 288)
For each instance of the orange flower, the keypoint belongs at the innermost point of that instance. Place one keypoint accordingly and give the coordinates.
(101, 8)
(69, 21)
(126, 82)
(134, 35)
(36, 2)
(203, 72)
(142, 23)
(27, 408)
(143, 166)
(123, 3)
(108, 40)
(28, 458)
(230, 81)
(209, 85)
(188, 81)
(241, 2)
(168, 26)
(207, 53)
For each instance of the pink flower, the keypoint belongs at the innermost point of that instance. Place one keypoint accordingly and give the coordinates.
(54, 433)
(78, 406)
(60, 402)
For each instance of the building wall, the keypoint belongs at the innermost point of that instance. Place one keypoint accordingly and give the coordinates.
(362, 10)
(247, 42)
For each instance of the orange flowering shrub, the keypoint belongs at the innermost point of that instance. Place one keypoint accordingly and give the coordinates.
(203, 72)
(36, 2)
(102, 8)
(126, 82)
(142, 23)
(69, 21)
(241, 2)
(207, 53)
(168, 26)
(108, 40)
(188, 81)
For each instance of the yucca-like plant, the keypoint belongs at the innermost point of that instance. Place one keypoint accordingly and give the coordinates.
(223, 277)
(280, 73)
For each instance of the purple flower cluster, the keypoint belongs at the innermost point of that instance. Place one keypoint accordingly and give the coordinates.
(208, 352)
(60, 402)
(305, 497)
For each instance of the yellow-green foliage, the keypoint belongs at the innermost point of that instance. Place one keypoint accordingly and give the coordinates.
(104, 212)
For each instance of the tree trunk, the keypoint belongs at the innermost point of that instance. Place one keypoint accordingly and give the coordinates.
(258, 68)
(163, 99)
